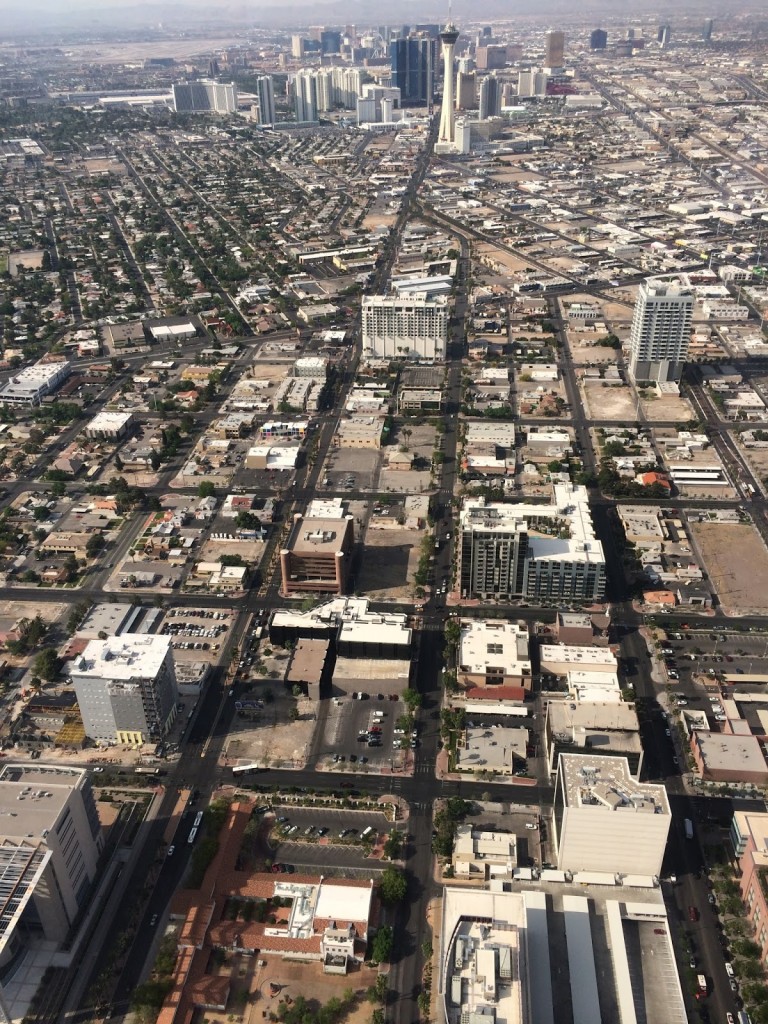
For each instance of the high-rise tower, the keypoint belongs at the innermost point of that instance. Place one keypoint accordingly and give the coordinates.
(448, 38)
(661, 327)
(554, 49)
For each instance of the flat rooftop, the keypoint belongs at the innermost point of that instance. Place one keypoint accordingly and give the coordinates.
(726, 752)
(570, 509)
(572, 654)
(493, 643)
(319, 536)
(379, 628)
(580, 951)
(32, 798)
(607, 782)
(122, 658)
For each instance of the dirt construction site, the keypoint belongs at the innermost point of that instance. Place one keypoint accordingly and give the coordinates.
(736, 560)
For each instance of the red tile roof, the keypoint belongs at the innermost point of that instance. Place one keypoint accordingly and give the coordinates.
(515, 693)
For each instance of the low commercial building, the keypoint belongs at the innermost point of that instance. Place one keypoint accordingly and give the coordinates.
(419, 399)
(749, 836)
(574, 628)
(482, 855)
(31, 385)
(357, 631)
(643, 525)
(272, 457)
(109, 426)
(560, 659)
(309, 667)
(605, 820)
(549, 443)
(67, 542)
(498, 751)
(493, 653)
(729, 757)
(500, 951)
(317, 555)
(612, 729)
(359, 432)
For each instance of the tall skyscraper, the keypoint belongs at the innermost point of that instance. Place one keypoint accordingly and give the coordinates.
(297, 47)
(466, 90)
(490, 97)
(205, 95)
(598, 40)
(305, 96)
(448, 38)
(330, 41)
(407, 327)
(265, 95)
(665, 36)
(126, 688)
(661, 328)
(554, 49)
(412, 62)
(706, 32)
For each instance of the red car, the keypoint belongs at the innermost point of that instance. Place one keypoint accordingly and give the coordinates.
(693, 914)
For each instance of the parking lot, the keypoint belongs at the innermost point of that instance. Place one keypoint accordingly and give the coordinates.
(329, 851)
(697, 661)
(360, 735)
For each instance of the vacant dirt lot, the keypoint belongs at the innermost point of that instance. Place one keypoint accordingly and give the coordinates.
(608, 402)
(584, 354)
(737, 562)
(667, 407)
(389, 562)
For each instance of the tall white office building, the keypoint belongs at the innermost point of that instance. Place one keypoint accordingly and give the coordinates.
(413, 327)
(661, 329)
(205, 95)
(265, 96)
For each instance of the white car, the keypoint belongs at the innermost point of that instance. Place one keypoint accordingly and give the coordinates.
(530, 825)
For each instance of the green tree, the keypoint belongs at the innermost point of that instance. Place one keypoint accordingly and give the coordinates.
(94, 545)
(47, 664)
(57, 488)
(412, 700)
(206, 489)
(77, 615)
(393, 845)
(381, 947)
(452, 634)
(393, 885)
(151, 995)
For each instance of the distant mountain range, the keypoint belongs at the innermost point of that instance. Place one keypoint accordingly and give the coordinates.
(52, 17)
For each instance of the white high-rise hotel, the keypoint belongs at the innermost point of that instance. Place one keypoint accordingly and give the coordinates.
(407, 327)
(661, 329)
